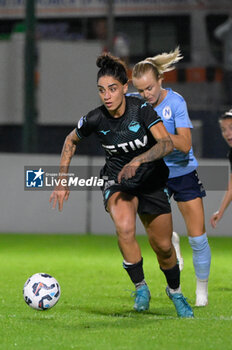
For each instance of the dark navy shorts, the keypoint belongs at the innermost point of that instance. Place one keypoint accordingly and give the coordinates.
(154, 202)
(185, 188)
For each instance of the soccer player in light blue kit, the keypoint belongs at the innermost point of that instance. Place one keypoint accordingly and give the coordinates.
(183, 182)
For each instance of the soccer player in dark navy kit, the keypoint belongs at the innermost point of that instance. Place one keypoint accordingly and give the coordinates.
(225, 122)
(135, 175)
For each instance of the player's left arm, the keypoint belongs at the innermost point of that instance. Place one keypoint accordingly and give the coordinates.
(163, 147)
(182, 140)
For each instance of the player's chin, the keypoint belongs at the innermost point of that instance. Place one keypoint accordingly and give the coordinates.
(111, 109)
(109, 106)
(151, 101)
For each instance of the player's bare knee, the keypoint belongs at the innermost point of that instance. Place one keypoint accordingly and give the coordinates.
(126, 234)
(164, 250)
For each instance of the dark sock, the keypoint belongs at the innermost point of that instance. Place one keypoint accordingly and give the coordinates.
(135, 272)
(140, 284)
(172, 276)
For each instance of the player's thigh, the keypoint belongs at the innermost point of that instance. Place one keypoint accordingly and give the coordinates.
(159, 229)
(193, 214)
(123, 208)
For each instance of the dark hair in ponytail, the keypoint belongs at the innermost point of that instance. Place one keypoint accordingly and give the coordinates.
(112, 66)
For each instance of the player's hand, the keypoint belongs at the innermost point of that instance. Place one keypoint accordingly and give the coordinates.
(60, 194)
(129, 170)
(215, 218)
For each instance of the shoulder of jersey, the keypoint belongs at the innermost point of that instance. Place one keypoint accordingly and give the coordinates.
(96, 112)
(93, 117)
(134, 94)
(137, 99)
(176, 96)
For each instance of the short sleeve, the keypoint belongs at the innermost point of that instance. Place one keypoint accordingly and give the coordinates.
(181, 116)
(87, 124)
(149, 115)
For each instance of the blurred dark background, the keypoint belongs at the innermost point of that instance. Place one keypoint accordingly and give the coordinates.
(66, 44)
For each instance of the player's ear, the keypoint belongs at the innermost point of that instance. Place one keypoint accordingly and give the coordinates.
(160, 79)
(125, 88)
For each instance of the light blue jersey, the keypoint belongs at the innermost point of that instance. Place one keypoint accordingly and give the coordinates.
(173, 111)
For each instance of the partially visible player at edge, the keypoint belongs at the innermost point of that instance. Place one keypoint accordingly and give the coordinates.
(225, 122)
(183, 182)
(135, 142)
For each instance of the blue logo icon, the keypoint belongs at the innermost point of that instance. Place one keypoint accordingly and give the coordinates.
(134, 126)
(144, 104)
(107, 193)
(167, 194)
(34, 178)
(104, 131)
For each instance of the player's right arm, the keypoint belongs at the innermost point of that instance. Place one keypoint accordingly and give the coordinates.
(182, 139)
(61, 192)
(227, 199)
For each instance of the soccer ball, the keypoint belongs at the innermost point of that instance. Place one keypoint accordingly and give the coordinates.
(41, 291)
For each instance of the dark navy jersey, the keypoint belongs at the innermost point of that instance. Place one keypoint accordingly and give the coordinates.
(230, 158)
(125, 137)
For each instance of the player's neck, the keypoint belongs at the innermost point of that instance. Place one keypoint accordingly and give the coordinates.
(117, 113)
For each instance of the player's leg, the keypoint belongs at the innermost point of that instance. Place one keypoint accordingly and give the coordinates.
(175, 236)
(123, 208)
(193, 214)
(176, 244)
(159, 230)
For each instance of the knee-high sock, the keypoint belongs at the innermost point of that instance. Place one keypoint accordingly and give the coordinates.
(135, 272)
(172, 276)
(201, 256)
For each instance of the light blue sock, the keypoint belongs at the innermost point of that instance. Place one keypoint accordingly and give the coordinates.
(201, 256)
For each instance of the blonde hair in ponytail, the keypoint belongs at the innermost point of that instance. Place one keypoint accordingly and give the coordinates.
(159, 64)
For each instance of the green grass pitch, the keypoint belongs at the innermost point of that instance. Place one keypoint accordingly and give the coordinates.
(95, 311)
